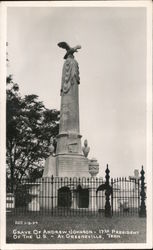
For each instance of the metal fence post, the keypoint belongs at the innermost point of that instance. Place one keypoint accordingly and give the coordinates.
(107, 194)
(142, 211)
(112, 195)
(52, 194)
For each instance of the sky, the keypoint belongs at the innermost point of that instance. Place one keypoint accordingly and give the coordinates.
(112, 63)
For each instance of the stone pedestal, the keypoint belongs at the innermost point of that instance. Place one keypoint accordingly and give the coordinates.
(72, 166)
(74, 199)
(92, 196)
(34, 193)
(93, 170)
(93, 167)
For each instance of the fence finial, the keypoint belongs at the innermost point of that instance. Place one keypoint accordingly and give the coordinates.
(107, 194)
(142, 211)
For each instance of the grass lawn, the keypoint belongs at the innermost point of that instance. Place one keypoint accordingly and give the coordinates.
(32, 228)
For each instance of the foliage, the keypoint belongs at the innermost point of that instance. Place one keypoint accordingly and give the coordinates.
(29, 128)
(22, 196)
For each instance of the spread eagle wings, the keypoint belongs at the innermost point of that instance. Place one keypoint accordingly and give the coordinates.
(64, 45)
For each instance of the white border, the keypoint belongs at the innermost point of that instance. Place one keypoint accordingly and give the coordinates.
(3, 13)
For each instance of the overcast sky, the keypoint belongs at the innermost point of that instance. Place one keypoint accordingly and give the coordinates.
(112, 65)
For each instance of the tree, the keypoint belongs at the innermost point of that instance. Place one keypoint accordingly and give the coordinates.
(29, 128)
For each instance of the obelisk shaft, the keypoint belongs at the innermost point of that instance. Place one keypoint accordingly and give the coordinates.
(69, 139)
(69, 119)
(69, 160)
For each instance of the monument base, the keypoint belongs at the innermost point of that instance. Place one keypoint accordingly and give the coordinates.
(60, 166)
(72, 166)
(66, 165)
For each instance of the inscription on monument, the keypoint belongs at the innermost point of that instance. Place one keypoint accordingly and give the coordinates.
(73, 147)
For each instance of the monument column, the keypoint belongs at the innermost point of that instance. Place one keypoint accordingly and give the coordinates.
(70, 160)
(69, 139)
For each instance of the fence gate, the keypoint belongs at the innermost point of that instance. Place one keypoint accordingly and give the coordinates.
(125, 196)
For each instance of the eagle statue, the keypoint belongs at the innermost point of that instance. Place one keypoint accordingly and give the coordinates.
(70, 50)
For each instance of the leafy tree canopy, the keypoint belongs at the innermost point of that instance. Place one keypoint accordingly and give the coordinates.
(29, 128)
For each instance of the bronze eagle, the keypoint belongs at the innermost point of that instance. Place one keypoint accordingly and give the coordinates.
(70, 50)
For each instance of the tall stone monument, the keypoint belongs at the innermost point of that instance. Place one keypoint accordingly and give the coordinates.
(69, 159)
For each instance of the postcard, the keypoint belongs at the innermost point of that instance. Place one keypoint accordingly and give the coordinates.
(76, 125)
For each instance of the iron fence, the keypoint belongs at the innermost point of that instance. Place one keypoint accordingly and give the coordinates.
(125, 197)
(80, 196)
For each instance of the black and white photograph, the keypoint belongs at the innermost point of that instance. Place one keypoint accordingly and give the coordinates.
(76, 125)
